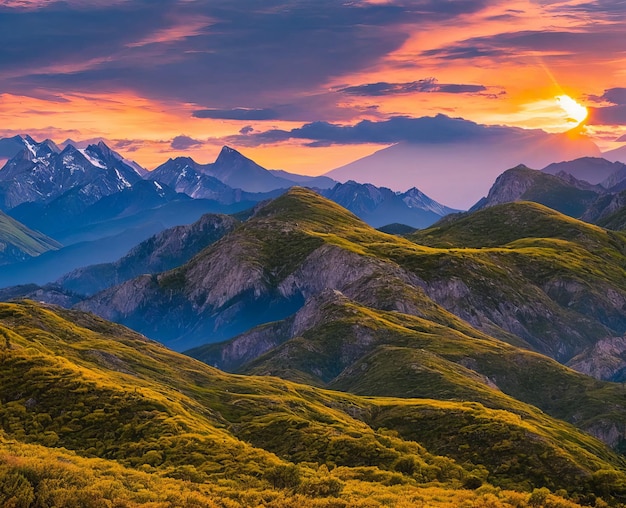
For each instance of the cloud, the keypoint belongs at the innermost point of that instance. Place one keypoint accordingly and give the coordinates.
(615, 95)
(609, 10)
(246, 130)
(237, 114)
(432, 130)
(615, 114)
(429, 85)
(588, 41)
(233, 53)
(184, 142)
(621, 138)
(610, 115)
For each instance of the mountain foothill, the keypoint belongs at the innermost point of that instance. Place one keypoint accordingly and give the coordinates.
(226, 335)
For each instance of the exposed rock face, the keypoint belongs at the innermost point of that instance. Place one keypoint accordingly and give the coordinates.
(50, 293)
(604, 207)
(509, 186)
(606, 360)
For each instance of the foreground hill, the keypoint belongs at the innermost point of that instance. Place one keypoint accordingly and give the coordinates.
(140, 418)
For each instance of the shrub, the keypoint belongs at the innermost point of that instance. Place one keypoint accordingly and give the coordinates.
(283, 476)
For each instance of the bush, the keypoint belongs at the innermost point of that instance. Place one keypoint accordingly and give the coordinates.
(538, 497)
(472, 482)
(283, 476)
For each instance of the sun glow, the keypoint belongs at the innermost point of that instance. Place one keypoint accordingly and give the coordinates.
(576, 112)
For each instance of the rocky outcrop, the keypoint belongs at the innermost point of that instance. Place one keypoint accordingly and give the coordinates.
(509, 186)
(606, 360)
(567, 195)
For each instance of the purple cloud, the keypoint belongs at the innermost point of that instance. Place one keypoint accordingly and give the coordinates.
(428, 85)
(431, 130)
(184, 142)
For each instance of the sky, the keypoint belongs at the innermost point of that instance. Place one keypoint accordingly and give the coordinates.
(305, 85)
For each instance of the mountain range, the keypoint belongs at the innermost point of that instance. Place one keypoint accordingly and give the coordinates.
(477, 361)
(459, 173)
(109, 204)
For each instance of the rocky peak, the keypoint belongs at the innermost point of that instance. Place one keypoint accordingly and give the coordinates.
(229, 155)
(509, 186)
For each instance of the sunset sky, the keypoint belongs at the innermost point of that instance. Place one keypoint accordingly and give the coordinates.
(280, 80)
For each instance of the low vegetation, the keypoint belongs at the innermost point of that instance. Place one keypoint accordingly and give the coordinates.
(93, 414)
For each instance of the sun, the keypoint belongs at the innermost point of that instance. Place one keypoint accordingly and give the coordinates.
(576, 112)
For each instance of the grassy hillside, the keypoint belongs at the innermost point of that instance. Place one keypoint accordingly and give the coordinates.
(141, 419)
(500, 225)
(18, 243)
(365, 351)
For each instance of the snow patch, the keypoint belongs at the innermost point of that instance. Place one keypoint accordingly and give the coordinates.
(32, 148)
(160, 190)
(122, 179)
(93, 160)
(68, 162)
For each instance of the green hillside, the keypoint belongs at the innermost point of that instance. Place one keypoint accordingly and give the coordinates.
(500, 225)
(18, 243)
(88, 404)
(365, 351)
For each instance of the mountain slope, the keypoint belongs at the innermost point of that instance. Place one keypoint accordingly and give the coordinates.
(230, 176)
(236, 170)
(594, 170)
(185, 175)
(161, 252)
(616, 155)
(337, 343)
(78, 210)
(317, 182)
(145, 408)
(18, 243)
(555, 294)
